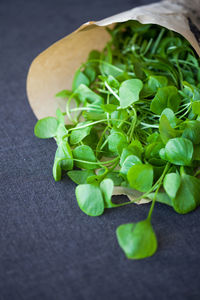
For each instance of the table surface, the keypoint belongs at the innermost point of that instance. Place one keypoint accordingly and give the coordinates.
(49, 249)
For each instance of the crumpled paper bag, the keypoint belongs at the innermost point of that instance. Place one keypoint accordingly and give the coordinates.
(53, 69)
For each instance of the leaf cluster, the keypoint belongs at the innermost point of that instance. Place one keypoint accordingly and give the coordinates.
(135, 124)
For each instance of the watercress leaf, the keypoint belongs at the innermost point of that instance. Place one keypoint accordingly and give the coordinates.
(161, 197)
(162, 154)
(90, 199)
(60, 116)
(170, 116)
(79, 134)
(130, 161)
(85, 93)
(196, 107)
(179, 151)
(116, 141)
(64, 154)
(114, 176)
(57, 172)
(138, 240)
(152, 150)
(166, 97)
(80, 176)
(109, 69)
(187, 197)
(155, 82)
(86, 156)
(113, 82)
(140, 177)
(109, 108)
(90, 72)
(166, 130)
(129, 92)
(171, 184)
(192, 131)
(106, 187)
(46, 128)
(79, 78)
(64, 94)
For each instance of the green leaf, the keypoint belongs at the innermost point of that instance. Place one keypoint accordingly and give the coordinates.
(109, 108)
(60, 116)
(46, 128)
(90, 72)
(116, 141)
(170, 116)
(187, 196)
(64, 94)
(155, 82)
(57, 172)
(90, 199)
(166, 131)
(86, 154)
(106, 187)
(161, 198)
(109, 69)
(179, 151)
(129, 92)
(64, 155)
(166, 97)
(84, 93)
(79, 134)
(196, 107)
(192, 131)
(80, 177)
(171, 184)
(140, 177)
(138, 240)
(79, 78)
(130, 161)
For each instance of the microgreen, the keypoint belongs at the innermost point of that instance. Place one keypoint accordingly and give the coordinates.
(135, 124)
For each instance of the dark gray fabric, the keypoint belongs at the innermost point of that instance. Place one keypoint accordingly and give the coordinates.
(48, 248)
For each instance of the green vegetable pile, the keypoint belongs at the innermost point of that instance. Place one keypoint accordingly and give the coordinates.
(134, 114)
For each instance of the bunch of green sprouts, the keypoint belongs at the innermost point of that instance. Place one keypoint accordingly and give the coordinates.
(134, 114)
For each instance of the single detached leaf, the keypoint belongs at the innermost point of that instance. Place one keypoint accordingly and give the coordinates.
(129, 92)
(80, 176)
(79, 134)
(46, 128)
(90, 199)
(86, 156)
(138, 240)
(106, 187)
(140, 177)
(171, 184)
(179, 151)
(166, 97)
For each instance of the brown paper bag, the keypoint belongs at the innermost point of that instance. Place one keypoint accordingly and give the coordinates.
(53, 69)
